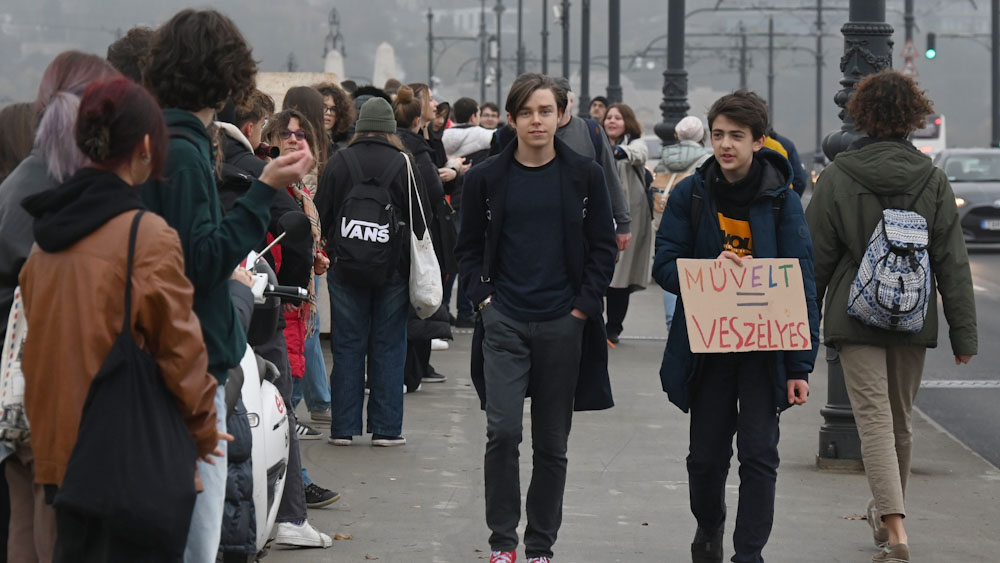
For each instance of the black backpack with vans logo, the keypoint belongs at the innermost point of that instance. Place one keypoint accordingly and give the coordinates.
(368, 235)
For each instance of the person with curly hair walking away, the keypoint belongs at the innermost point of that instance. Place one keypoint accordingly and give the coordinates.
(883, 367)
(197, 60)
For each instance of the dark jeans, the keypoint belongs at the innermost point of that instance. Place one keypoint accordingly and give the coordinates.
(735, 395)
(541, 359)
(368, 319)
(293, 499)
(617, 308)
(81, 539)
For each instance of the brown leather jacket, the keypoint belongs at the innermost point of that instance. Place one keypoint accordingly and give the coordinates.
(74, 304)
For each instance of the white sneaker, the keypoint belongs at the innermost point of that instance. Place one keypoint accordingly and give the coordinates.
(438, 345)
(301, 536)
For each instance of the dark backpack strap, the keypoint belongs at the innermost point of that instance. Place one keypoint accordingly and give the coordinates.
(776, 205)
(697, 205)
(387, 175)
(132, 236)
(353, 166)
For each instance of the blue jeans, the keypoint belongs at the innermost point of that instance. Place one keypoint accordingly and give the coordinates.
(206, 521)
(366, 318)
(314, 385)
(669, 305)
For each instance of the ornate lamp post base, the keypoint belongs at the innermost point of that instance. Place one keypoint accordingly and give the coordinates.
(867, 50)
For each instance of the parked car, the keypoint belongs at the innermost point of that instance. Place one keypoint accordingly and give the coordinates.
(975, 177)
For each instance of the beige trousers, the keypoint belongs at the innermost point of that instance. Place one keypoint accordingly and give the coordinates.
(32, 522)
(882, 384)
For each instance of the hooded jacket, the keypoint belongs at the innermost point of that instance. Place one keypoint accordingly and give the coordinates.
(684, 156)
(846, 207)
(465, 139)
(680, 370)
(30, 177)
(82, 232)
(213, 245)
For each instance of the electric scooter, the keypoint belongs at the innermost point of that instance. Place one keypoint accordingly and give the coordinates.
(266, 410)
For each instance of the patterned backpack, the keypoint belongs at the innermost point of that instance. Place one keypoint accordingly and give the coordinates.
(892, 289)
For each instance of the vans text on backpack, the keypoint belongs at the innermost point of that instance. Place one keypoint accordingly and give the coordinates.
(367, 237)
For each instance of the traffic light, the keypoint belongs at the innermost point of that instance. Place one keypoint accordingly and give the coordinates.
(931, 50)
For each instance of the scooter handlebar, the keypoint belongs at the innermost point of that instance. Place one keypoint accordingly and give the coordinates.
(287, 293)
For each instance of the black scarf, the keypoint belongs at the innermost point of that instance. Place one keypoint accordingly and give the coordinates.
(733, 198)
(78, 207)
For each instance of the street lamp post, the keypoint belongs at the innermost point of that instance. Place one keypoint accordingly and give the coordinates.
(430, 47)
(499, 10)
(545, 37)
(867, 50)
(520, 40)
(819, 82)
(674, 106)
(564, 20)
(995, 71)
(743, 57)
(482, 50)
(770, 70)
(614, 51)
(584, 59)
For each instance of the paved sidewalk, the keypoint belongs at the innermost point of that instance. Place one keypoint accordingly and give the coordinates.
(626, 497)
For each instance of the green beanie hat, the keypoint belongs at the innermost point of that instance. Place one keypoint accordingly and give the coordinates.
(376, 117)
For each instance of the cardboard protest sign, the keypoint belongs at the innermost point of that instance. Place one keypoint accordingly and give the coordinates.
(758, 306)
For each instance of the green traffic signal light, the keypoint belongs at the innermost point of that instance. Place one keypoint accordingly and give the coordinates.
(931, 50)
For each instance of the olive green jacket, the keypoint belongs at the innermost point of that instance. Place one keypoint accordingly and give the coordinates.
(845, 209)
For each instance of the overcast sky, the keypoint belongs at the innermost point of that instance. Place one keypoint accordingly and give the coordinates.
(31, 33)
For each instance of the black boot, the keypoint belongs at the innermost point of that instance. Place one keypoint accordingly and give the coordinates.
(707, 546)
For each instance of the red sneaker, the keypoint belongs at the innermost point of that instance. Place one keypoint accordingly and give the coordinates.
(539, 560)
(503, 556)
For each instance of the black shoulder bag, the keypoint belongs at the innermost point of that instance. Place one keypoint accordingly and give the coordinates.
(133, 463)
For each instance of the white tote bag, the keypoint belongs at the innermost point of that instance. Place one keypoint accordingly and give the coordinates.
(13, 422)
(425, 272)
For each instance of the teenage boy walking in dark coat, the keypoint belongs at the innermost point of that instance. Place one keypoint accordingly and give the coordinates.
(744, 196)
(536, 199)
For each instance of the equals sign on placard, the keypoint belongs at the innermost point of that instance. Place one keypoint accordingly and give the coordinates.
(751, 303)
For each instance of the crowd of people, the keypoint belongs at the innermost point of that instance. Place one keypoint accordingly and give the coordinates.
(134, 187)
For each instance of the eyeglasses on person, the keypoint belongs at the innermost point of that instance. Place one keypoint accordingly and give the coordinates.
(299, 135)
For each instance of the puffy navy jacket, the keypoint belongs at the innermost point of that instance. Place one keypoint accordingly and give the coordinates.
(239, 525)
(788, 238)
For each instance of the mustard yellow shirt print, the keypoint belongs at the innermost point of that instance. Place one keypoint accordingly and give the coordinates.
(736, 236)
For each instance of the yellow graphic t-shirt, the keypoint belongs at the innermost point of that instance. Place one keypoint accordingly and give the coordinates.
(736, 236)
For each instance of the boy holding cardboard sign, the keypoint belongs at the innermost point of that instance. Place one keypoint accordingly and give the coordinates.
(733, 208)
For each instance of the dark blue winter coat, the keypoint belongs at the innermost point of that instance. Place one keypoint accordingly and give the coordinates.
(681, 369)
